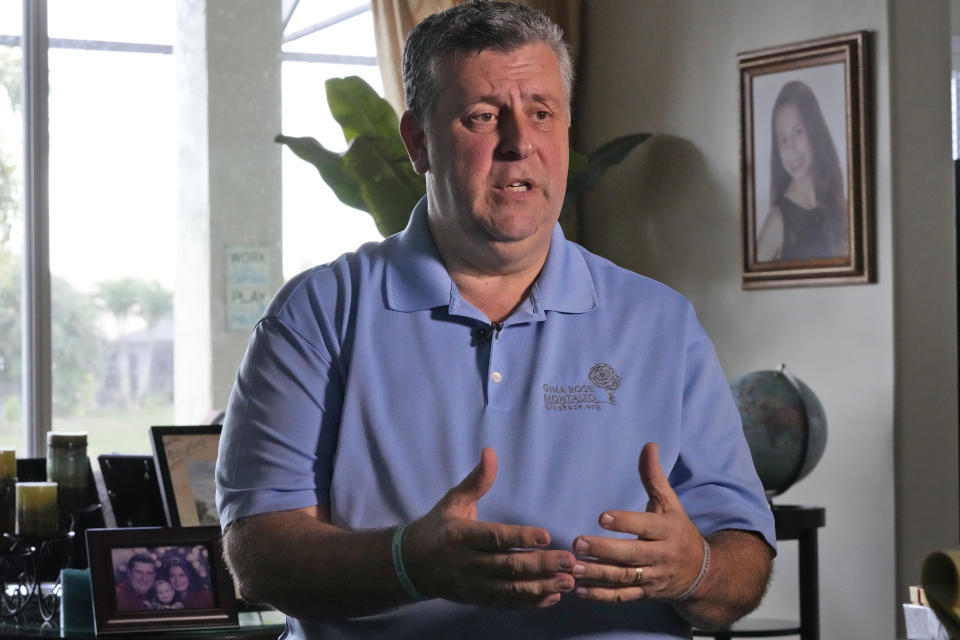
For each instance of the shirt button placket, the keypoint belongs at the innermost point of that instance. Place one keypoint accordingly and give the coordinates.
(496, 392)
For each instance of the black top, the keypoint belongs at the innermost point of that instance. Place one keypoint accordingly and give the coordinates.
(807, 233)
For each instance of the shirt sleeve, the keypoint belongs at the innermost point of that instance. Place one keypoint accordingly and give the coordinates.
(714, 475)
(281, 426)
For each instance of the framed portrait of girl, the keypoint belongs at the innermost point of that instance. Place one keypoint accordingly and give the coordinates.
(805, 170)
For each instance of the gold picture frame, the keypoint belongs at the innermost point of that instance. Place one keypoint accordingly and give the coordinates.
(805, 163)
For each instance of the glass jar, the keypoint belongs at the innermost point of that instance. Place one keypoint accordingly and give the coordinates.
(67, 466)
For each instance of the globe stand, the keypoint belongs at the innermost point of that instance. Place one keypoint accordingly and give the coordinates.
(798, 523)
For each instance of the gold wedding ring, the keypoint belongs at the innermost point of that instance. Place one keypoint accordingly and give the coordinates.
(637, 578)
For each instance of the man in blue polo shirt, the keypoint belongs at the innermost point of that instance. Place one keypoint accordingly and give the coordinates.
(450, 434)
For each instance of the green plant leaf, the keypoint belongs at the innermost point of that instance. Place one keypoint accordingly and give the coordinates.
(604, 157)
(389, 186)
(359, 110)
(331, 167)
(577, 163)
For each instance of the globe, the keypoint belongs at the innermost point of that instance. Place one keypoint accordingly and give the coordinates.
(784, 424)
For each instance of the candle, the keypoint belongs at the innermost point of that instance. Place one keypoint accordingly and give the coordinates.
(36, 509)
(67, 466)
(8, 463)
(8, 495)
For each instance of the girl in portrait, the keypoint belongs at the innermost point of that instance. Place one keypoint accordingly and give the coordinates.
(807, 219)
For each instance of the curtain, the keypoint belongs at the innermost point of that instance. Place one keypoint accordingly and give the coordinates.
(393, 20)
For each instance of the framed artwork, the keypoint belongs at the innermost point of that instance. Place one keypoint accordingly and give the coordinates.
(805, 164)
(186, 458)
(148, 578)
(133, 489)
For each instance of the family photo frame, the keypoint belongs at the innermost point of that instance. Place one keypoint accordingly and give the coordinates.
(151, 578)
(805, 163)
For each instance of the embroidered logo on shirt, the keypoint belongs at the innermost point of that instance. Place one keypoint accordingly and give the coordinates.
(605, 377)
(558, 397)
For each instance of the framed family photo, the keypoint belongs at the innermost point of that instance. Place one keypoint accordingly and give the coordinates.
(186, 459)
(805, 165)
(148, 578)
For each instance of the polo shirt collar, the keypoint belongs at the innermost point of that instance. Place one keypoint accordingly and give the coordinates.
(416, 279)
(565, 284)
(415, 276)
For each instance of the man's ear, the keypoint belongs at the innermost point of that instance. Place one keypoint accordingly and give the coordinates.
(415, 140)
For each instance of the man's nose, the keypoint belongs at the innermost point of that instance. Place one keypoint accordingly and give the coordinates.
(516, 137)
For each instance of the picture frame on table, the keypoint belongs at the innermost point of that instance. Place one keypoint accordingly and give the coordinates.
(150, 578)
(133, 489)
(185, 458)
(805, 164)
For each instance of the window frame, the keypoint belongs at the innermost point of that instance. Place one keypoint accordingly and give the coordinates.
(36, 350)
(36, 347)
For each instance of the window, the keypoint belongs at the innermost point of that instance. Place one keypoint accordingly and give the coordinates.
(11, 225)
(113, 212)
(317, 227)
(113, 192)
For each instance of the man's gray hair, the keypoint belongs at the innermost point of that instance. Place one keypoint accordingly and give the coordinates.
(469, 28)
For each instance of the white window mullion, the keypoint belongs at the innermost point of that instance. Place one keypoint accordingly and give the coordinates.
(35, 298)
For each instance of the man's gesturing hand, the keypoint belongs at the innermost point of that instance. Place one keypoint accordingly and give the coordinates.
(450, 554)
(668, 547)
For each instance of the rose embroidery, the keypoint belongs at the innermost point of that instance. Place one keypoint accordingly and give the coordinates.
(605, 377)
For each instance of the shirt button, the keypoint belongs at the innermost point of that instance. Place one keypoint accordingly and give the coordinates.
(496, 377)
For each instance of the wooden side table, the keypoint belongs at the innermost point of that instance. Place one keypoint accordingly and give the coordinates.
(800, 524)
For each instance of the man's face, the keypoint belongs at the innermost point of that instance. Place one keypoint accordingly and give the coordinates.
(495, 149)
(141, 576)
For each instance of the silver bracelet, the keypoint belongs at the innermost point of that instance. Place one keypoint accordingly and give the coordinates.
(686, 595)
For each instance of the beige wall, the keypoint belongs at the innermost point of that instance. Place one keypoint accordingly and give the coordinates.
(881, 357)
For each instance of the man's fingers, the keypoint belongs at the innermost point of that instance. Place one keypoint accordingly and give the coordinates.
(619, 551)
(595, 574)
(518, 565)
(646, 526)
(492, 536)
(610, 594)
(462, 499)
(513, 594)
(662, 496)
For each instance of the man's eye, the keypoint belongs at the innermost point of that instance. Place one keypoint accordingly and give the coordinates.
(542, 115)
(483, 117)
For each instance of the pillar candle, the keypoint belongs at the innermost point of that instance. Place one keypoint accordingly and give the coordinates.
(8, 463)
(8, 496)
(36, 509)
(67, 466)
